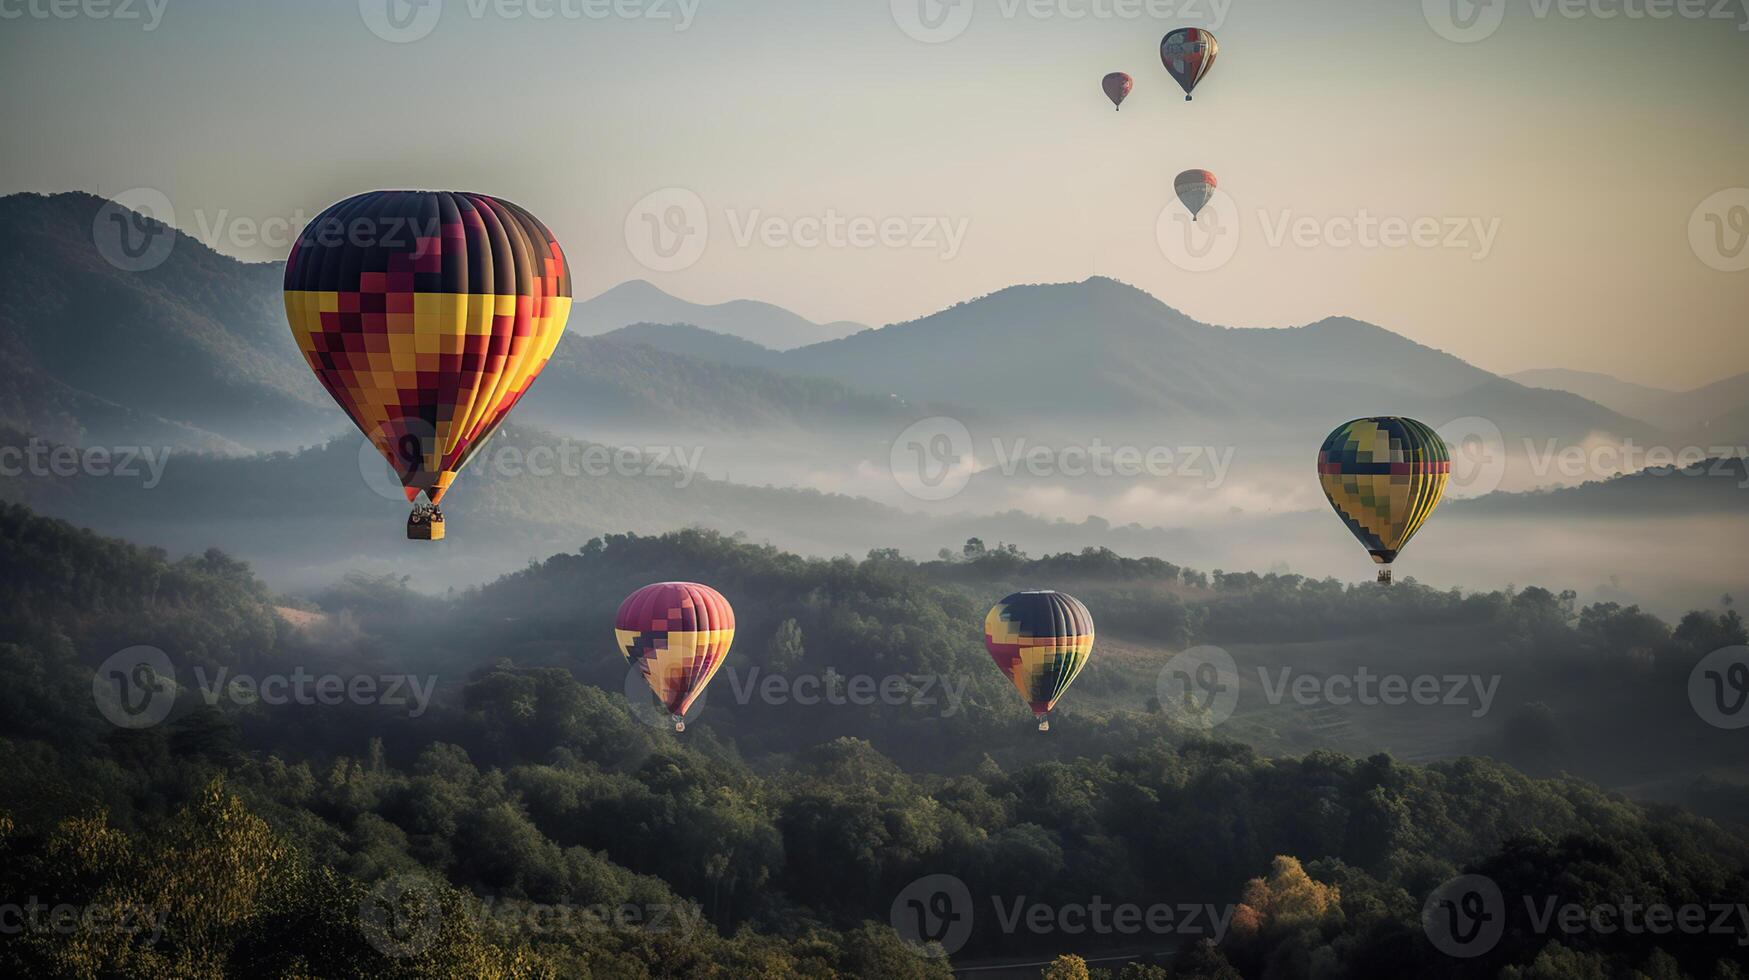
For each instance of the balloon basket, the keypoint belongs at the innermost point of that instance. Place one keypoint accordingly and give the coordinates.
(680, 724)
(425, 524)
(1044, 724)
(1384, 576)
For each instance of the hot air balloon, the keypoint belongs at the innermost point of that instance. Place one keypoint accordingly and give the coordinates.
(426, 315)
(677, 634)
(1117, 87)
(1188, 53)
(1194, 188)
(1384, 476)
(1041, 640)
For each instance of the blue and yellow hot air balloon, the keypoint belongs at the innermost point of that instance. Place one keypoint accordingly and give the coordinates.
(1041, 640)
(1384, 476)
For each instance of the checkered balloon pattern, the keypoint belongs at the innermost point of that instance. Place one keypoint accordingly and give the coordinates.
(427, 315)
(1384, 476)
(677, 634)
(1041, 640)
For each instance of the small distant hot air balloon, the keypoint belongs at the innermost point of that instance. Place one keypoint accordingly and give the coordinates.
(1117, 87)
(1194, 188)
(1189, 53)
(1041, 640)
(426, 315)
(677, 634)
(1384, 476)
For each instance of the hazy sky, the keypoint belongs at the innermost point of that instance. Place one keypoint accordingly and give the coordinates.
(1571, 148)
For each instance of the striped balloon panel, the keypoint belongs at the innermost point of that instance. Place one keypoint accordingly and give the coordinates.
(427, 316)
(676, 634)
(1041, 640)
(1384, 476)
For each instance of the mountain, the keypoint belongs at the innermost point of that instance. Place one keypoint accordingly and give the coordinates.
(1721, 405)
(611, 380)
(696, 342)
(1101, 349)
(639, 301)
(1712, 486)
(192, 352)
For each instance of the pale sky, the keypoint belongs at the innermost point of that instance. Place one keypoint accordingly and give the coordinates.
(1573, 149)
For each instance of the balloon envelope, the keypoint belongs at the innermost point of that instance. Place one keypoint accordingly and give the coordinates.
(1194, 188)
(677, 634)
(1188, 53)
(1117, 87)
(426, 315)
(1041, 640)
(1384, 476)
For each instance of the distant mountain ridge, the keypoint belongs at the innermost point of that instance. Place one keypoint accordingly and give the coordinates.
(1720, 407)
(640, 301)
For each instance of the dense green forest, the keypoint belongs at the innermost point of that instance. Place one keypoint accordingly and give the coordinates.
(527, 820)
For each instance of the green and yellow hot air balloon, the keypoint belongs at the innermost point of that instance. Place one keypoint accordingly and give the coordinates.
(1384, 476)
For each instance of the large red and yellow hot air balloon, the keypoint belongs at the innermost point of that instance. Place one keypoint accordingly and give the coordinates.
(1195, 188)
(677, 634)
(1384, 476)
(1117, 87)
(427, 315)
(1041, 640)
(1188, 53)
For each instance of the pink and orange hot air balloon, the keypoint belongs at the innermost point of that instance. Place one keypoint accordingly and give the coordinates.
(1117, 87)
(677, 634)
(427, 315)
